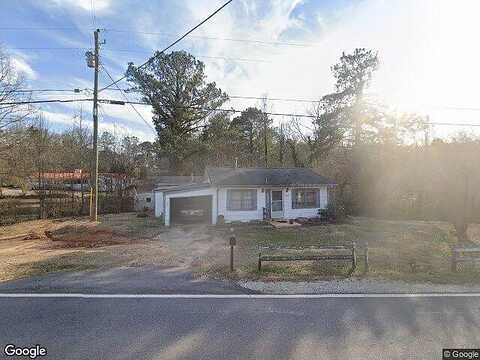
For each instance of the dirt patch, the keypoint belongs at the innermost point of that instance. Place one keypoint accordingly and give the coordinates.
(84, 236)
(72, 244)
(117, 240)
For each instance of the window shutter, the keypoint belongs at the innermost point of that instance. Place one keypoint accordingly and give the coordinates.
(317, 192)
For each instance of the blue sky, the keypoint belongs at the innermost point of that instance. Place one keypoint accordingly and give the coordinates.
(427, 50)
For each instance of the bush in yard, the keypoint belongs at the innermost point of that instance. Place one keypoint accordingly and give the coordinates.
(335, 212)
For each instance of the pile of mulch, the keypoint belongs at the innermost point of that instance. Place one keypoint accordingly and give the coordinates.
(84, 237)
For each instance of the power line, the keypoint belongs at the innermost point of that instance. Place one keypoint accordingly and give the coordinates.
(273, 99)
(92, 5)
(253, 41)
(276, 114)
(264, 42)
(77, 90)
(459, 108)
(307, 100)
(49, 90)
(43, 101)
(136, 51)
(126, 98)
(247, 97)
(119, 102)
(174, 43)
(50, 48)
(195, 55)
(35, 28)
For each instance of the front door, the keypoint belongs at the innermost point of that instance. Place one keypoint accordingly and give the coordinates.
(277, 204)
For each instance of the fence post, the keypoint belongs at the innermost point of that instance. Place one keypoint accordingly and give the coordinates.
(233, 242)
(366, 267)
(354, 257)
(454, 260)
(259, 261)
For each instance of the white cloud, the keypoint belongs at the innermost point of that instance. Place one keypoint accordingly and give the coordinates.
(23, 67)
(100, 6)
(66, 119)
(427, 49)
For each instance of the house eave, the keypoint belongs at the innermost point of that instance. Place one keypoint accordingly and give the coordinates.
(273, 186)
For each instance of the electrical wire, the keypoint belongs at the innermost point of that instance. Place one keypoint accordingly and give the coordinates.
(92, 5)
(131, 103)
(174, 43)
(136, 51)
(249, 97)
(263, 42)
(457, 108)
(278, 114)
(253, 41)
(195, 55)
(128, 100)
(33, 28)
(49, 90)
(43, 101)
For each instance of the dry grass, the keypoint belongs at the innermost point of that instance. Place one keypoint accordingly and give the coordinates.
(77, 244)
(393, 247)
(126, 240)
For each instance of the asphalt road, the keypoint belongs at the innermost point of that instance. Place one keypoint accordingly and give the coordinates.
(241, 328)
(123, 280)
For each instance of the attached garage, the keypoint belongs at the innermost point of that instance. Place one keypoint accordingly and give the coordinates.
(191, 210)
(190, 204)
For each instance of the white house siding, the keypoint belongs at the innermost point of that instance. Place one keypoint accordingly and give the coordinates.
(230, 215)
(159, 208)
(191, 193)
(290, 213)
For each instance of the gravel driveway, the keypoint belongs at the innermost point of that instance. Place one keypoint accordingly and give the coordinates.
(354, 286)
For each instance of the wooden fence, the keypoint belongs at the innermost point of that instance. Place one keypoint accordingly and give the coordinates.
(69, 203)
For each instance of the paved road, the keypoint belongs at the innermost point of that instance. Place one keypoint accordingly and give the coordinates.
(246, 328)
(124, 280)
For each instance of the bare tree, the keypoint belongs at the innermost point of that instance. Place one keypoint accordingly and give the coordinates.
(12, 114)
(10, 84)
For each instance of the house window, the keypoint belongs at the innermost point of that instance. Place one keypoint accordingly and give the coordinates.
(304, 199)
(148, 199)
(240, 199)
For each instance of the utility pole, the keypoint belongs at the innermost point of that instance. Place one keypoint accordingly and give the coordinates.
(94, 179)
(281, 145)
(265, 140)
(265, 128)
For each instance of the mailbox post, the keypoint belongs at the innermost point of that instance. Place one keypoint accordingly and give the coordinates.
(233, 242)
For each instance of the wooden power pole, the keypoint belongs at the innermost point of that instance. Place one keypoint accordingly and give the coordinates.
(94, 178)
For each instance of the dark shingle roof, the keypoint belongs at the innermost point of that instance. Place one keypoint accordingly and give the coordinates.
(177, 180)
(266, 176)
(185, 187)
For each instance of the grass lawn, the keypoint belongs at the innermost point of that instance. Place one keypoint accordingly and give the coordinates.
(127, 240)
(393, 246)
